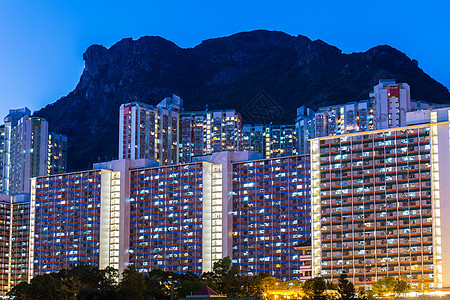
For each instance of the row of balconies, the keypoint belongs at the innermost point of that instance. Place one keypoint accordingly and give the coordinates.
(362, 228)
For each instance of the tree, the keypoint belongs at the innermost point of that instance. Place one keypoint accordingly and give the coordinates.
(20, 291)
(268, 283)
(43, 287)
(391, 286)
(187, 287)
(223, 278)
(346, 289)
(314, 288)
(133, 285)
(401, 285)
(184, 284)
(91, 282)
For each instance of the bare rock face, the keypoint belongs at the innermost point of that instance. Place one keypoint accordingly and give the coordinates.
(229, 72)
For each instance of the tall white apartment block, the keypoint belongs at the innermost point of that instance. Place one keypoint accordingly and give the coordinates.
(28, 150)
(28, 153)
(11, 120)
(391, 101)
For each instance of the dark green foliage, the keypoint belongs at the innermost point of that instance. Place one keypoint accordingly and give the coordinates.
(81, 282)
(43, 287)
(221, 73)
(133, 285)
(188, 287)
(392, 286)
(345, 288)
(136, 286)
(314, 288)
(85, 282)
(224, 279)
(92, 282)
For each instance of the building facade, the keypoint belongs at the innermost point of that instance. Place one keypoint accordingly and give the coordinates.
(28, 153)
(73, 218)
(271, 217)
(11, 121)
(270, 140)
(123, 212)
(304, 126)
(376, 205)
(207, 132)
(150, 132)
(57, 153)
(28, 150)
(167, 217)
(5, 234)
(387, 107)
(345, 118)
(2, 155)
(391, 101)
(170, 136)
(14, 239)
(19, 239)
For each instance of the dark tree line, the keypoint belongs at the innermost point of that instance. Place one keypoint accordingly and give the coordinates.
(89, 282)
(85, 281)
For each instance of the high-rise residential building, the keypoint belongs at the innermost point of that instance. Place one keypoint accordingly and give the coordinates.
(304, 126)
(57, 152)
(180, 216)
(169, 130)
(19, 239)
(170, 135)
(150, 132)
(391, 101)
(386, 107)
(14, 240)
(81, 217)
(377, 201)
(5, 234)
(29, 150)
(26, 150)
(270, 140)
(175, 217)
(67, 219)
(28, 153)
(11, 121)
(2, 154)
(345, 118)
(137, 133)
(271, 217)
(253, 138)
(207, 132)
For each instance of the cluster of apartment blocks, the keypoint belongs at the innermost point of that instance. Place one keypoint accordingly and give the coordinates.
(27, 149)
(365, 199)
(170, 135)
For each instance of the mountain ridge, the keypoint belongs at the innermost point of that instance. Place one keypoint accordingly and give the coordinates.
(219, 73)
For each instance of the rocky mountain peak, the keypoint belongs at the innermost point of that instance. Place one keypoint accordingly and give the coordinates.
(226, 72)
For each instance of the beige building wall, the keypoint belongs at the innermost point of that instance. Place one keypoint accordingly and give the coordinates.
(441, 201)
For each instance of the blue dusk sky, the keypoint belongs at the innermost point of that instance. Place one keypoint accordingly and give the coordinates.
(42, 42)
